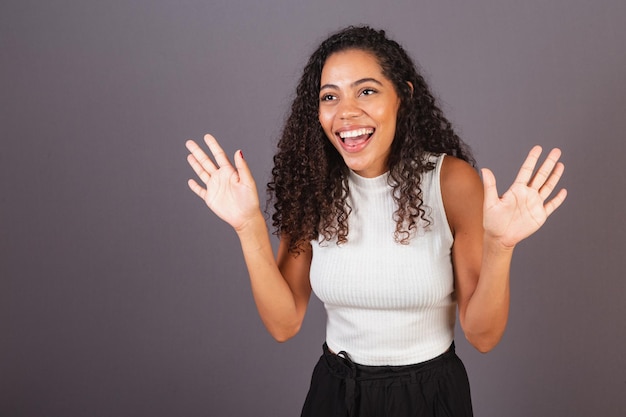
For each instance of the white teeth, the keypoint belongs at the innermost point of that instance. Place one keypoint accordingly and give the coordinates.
(356, 133)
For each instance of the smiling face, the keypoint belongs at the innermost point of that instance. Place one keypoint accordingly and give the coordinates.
(358, 109)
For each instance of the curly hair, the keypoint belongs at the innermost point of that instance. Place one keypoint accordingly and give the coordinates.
(309, 186)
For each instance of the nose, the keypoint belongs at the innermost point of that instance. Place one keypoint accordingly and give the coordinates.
(349, 108)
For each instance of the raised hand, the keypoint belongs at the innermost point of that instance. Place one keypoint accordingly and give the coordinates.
(524, 207)
(230, 192)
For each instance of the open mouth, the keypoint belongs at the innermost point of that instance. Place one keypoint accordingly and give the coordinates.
(355, 139)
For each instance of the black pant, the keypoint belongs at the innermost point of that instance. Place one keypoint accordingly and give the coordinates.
(339, 388)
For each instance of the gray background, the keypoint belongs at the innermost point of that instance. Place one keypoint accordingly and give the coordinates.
(121, 295)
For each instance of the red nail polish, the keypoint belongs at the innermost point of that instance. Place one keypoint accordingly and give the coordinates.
(241, 154)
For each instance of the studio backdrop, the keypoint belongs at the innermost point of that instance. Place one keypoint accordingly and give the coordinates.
(122, 295)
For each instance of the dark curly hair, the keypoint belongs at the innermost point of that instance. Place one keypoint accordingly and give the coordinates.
(309, 184)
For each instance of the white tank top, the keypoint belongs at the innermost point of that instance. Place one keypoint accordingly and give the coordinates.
(388, 303)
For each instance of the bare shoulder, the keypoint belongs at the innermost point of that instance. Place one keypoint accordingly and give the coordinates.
(461, 190)
(456, 172)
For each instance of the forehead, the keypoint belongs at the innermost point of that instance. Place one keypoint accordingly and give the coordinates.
(351, 65)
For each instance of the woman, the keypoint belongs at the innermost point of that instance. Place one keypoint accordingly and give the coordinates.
(380, 211)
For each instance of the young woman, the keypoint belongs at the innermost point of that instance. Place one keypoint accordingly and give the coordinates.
(379, 211)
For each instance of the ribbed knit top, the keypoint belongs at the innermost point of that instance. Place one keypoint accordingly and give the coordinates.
(388, 303)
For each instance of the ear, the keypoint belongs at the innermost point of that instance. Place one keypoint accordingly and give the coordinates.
(410, 87)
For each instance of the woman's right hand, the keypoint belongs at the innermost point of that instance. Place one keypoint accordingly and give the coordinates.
(230, 192)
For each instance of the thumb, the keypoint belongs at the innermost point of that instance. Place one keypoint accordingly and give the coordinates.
(489, 186)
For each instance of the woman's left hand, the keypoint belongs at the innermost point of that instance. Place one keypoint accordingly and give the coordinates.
(524, 207)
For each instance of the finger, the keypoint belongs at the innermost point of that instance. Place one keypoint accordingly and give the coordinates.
(216, 150)
(526, 171)
(201, 157)
(490, 187)
(556, 202)
(195, 187)
(546, 169)
(198, 168)
(552, 181)
(243, 169)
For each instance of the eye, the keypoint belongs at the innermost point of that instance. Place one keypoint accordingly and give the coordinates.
(368, 91)
(327, 97)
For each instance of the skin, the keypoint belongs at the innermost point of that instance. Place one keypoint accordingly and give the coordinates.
(355, 95)
(486, 227)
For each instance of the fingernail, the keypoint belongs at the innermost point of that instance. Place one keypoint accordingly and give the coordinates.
(241, 154)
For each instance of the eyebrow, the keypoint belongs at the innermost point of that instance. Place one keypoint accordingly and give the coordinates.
(354, 84)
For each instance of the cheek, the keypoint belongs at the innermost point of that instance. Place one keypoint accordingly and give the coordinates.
(326, 122)
(385, 118)
(389, 116)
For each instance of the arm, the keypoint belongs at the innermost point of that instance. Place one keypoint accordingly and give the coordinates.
(486, 229)
(280, 286)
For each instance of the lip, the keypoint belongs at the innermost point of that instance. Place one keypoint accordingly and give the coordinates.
(353, 127)
(354, 148)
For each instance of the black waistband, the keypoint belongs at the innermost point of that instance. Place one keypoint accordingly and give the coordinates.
(352, 373)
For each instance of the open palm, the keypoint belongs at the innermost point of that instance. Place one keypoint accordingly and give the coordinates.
(523, 208)
(229, 191)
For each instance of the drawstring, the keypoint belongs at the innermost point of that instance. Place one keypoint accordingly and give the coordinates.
(350, 380)
(353, 374)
